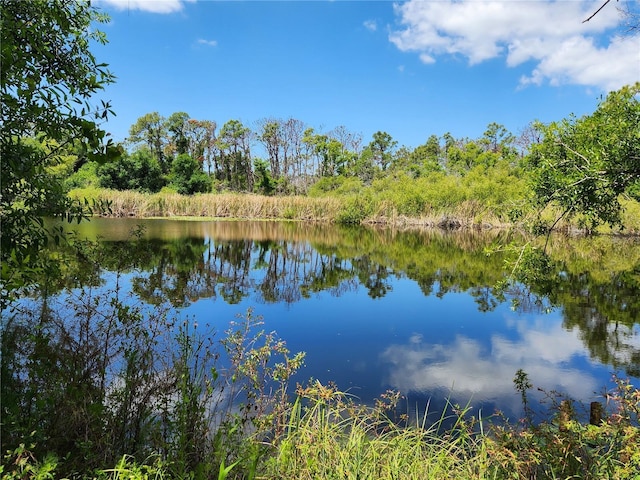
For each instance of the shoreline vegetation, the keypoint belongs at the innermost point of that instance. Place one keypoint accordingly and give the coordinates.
(348, 209)
(170, 406)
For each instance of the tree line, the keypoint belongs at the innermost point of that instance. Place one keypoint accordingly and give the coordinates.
(580, 164)
(195, 156)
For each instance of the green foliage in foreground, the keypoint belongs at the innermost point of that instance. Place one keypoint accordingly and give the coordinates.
(327, 435)
(49, 82)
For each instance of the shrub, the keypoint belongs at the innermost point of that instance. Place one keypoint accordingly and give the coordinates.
(326, 185)
(187, 176)
(138, 171)
(86, 176)
(354, 210)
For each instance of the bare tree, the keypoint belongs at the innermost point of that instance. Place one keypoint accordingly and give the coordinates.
(350, 141)
(293, 131)
(630, 12)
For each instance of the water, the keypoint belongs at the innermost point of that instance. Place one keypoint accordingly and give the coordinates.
(378, 309)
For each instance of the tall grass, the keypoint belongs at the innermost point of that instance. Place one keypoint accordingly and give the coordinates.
(330, 436)
(476, 200)
(326, 434)
(224, 205)
(361, 208)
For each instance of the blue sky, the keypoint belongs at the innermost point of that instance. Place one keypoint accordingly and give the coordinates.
(411, 68)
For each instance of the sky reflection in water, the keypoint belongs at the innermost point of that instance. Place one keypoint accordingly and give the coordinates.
(374, 328)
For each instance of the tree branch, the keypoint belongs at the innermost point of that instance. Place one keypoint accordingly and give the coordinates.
(597, 11)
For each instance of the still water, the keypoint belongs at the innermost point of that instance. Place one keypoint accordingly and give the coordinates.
(384, 309)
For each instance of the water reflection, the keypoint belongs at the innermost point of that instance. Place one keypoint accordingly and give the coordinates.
(375, 308)
(468, 368)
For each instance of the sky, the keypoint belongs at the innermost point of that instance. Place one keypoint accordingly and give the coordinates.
(411, 69)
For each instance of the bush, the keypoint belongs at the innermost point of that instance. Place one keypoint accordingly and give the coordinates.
(326, 185)
(86, 176)
(265, 184)
(187, 176)
(138, 171)
(355, 210)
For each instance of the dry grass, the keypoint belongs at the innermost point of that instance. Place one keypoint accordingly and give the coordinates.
(225, 205)
(468, 214)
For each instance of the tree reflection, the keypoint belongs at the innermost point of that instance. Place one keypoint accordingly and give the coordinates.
(271, 263)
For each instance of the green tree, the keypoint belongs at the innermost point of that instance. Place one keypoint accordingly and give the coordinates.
(272, 137)
(49, 79)
(497, 139)
(382, 147)
(200, 137)
(234, 145)
(176, 125)
(328, 153)
(151, 130)
(584, 164)
(467, 154)
(425, 158)
(187, 176)
(138, 171)
(363, 167)
(265, 183)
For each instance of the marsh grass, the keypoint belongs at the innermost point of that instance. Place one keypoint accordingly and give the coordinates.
(329, 435)
(428, 203)
(354, 209)
(223, 205)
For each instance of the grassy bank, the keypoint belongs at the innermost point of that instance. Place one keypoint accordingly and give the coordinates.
(227, 205)
(382, 204)
(325, 434)
(347, 209)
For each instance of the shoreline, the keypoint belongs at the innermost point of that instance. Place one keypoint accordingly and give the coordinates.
(465, 216)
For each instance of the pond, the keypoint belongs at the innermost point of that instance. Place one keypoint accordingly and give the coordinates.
(413, 311)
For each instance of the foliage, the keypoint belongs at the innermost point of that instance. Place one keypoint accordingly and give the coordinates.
(564, 447)
(138, 171)
(86, 176)
(382, 147)
(355, 210)
(48, 77)
(150, 130)
(21, 463)
(265, 183)
(330, 435)
(235, 156)
(584, 164)
(187, 176)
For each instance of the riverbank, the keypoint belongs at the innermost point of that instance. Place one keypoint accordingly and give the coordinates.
(347, 209)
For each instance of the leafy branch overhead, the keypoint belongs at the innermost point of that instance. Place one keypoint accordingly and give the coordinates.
(48, 81)
(584, 164)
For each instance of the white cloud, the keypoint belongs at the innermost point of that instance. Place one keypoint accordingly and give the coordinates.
(486, 372)
(153, 6)
(548, 33)
(210, 43)
(371, 25)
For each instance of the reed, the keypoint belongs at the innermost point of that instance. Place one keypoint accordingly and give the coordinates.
(355, 209)
(223, 205)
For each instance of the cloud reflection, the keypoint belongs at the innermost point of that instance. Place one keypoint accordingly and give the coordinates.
(484, 372)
